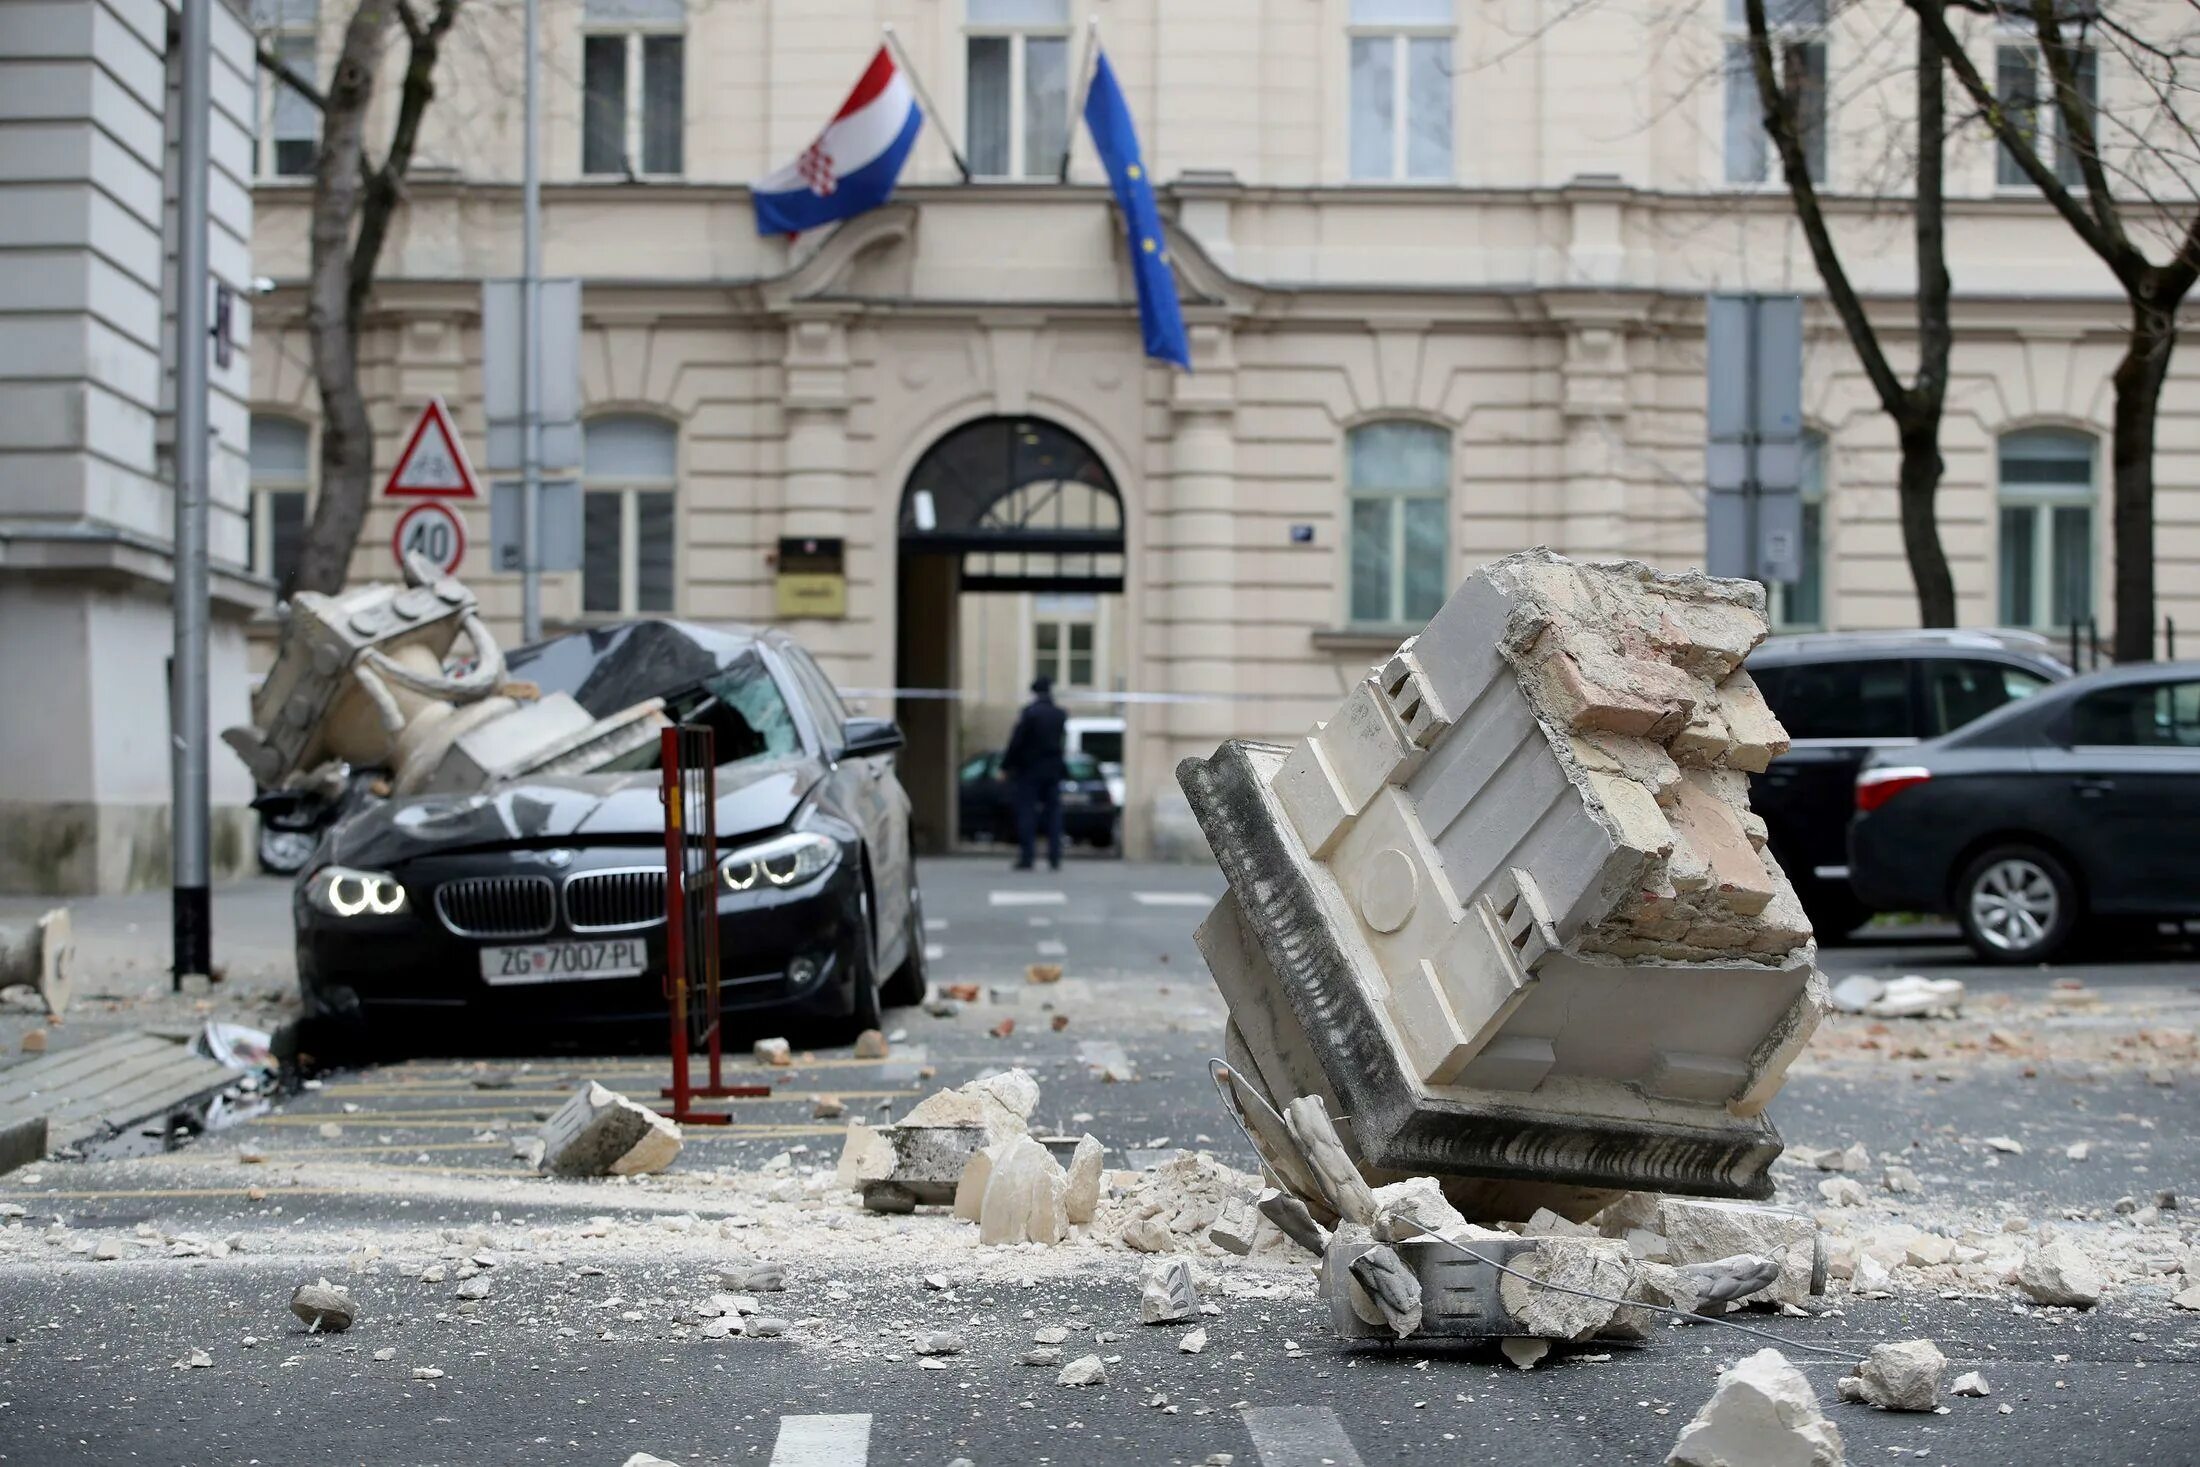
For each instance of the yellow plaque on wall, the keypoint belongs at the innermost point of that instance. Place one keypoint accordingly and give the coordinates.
(813, 578)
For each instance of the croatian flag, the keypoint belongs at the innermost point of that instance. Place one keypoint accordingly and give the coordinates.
(854, 162)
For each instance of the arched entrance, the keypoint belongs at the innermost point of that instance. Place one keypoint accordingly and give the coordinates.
(1018, 511)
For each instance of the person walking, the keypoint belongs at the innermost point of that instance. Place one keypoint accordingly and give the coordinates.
(1033, 759)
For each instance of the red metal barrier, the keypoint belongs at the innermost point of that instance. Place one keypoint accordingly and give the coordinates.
(690, 795)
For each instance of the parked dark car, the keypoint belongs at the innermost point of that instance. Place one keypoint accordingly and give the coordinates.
(1847, 696)
(2081, 801)
(540, 903)
(987, 802)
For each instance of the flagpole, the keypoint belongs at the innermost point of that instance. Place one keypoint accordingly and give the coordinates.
(916, 84)
(1084, 85)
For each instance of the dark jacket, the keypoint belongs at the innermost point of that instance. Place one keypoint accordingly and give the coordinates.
(1034, 749)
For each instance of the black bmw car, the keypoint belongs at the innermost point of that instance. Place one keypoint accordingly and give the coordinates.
(2081, 801)
(540, 904)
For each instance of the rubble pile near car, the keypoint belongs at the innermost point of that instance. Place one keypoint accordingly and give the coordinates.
(1508, 908)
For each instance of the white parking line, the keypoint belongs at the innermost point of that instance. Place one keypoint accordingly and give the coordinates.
(824, 1441)
(1053, 948)
(1026, 898)
(935, 924)
(1297, 1436)
(1172, 899)
(934, 951)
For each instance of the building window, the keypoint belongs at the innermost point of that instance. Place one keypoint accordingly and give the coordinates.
(2026, 89)
(282, 474)
(1401, 90)
(286, 128)
(630, 469)
(1399, 477)
(1063, 635)
(633, 88)
(1018, 87)
(2046, 550)
(1800, 604)
(1797, 30)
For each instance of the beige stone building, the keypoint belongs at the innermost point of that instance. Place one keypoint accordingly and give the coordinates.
(90, 104)
(1443, 267)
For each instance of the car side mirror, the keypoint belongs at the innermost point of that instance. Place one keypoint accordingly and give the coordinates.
(863, 737)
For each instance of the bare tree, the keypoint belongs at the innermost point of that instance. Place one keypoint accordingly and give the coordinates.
(354, 200)
(1914, 407)
(2136, 190)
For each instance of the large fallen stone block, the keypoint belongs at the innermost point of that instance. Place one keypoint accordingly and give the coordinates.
(1764, 1414)
(1025, 1196)
(1899, 1377)
(1508, 909)
(924, 1157)
(40, 956)
(601, 1133)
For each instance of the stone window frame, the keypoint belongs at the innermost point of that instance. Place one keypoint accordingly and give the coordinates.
(629, 485)
(1402, 617)
(2016, 44)
(1407, 28)
(634, 25)
(291, 30)
(1799, 30)
(263, 486)
(2038, 502)
(1056, 664)
(1019, 32)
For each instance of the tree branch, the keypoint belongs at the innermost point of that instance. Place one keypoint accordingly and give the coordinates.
(385, 185)
(288, 75)
(2113, 249)
(2075, 117)
(1780, 126)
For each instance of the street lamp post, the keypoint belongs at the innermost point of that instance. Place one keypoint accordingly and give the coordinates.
(188, 718)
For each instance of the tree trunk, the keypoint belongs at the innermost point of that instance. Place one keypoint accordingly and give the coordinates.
(332, 315)
(1917, 485)
(2139, 377)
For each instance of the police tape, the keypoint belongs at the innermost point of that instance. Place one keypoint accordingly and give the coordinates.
(958, 695)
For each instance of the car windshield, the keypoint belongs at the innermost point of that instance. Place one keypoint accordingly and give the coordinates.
(745, 711)
(748, 714)
(1080, 766)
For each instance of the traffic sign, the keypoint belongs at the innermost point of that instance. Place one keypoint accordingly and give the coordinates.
(433, 465)
(433, 530)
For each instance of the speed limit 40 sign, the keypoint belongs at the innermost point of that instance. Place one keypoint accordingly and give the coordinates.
(431, 529)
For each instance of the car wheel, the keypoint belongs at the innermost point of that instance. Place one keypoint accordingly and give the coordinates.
(912, 980)
(285, 852)
(863, 1011)
(2017, 904)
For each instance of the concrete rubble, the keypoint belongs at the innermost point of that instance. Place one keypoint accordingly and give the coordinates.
(373, 679)
(1907, 997)
(1898, 1377)
(1166, 1294)
(601, 1133)
(40, 957)
(2058, 1273)
(1763, 1414)
(1508, 907)
(924, 1159)
(324, 1308)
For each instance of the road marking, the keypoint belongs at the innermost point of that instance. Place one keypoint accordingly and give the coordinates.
(1297, 1436)
(1051, 947)
(823, 1441)
(935, 924)
(1172, 899)
(934, 951)
(1026, 898)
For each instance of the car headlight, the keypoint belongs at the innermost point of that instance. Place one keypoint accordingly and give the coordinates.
(788, 860)
(342, 892)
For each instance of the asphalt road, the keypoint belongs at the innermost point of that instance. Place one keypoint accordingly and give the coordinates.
(553, 1369)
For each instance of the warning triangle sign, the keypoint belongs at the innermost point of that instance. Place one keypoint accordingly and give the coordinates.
(433, 464)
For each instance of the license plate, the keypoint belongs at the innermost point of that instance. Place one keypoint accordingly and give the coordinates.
(561, 962)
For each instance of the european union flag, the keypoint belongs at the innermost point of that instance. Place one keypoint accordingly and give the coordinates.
(1108, 118)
